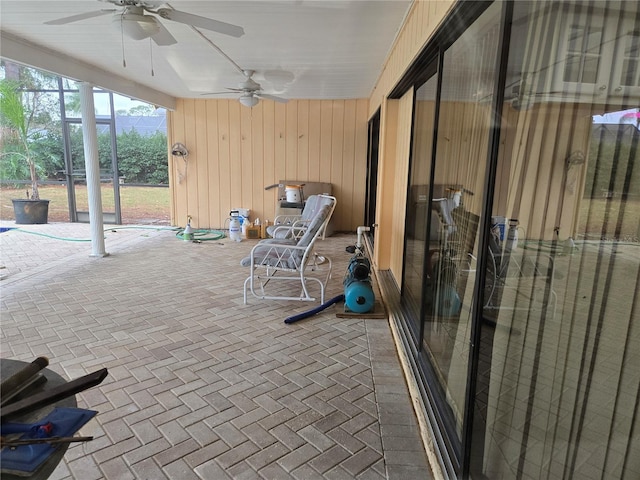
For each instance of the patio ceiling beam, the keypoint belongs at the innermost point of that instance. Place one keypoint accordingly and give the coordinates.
(28, 53)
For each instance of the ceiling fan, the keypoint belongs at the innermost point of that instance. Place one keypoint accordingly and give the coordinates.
(250, 91)
(138, 25)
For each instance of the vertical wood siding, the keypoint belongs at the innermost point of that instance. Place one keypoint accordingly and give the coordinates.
(385, 192)
(234, 152)
(533, 184)
(401, 180)
(422, 20)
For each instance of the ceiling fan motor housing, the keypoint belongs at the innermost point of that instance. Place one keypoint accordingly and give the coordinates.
(249, 84)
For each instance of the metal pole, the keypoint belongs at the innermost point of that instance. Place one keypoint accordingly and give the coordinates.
(92, 168)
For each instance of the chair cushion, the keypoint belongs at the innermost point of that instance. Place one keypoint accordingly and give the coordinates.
(273, 257)
(309, 210)
(314, 226)
(267, 242)
(281, 231)
(268, 254)
(277, 241)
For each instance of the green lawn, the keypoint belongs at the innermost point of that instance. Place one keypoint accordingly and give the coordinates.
(596, 212)
(138, 204)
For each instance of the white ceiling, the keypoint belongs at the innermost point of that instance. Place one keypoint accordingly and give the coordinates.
(334, 49)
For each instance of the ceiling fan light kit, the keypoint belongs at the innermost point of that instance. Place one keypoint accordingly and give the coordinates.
(137, 27)
(248, 100)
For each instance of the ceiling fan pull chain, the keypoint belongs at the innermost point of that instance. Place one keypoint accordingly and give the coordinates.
(151, 57)
(124, 62)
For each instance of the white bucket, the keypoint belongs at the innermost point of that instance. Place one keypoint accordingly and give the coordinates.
(293, 193)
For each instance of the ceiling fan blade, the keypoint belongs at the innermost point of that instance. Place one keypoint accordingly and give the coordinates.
(216, 93)
(163, 37)
(271, 97)
(80, 16)
(201, 22)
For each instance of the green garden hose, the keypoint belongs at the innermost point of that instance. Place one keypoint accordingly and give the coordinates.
(199, 235)
(202, 235)
(52, 236)
(55, 237)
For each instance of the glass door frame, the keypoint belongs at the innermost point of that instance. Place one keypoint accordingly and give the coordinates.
(458, 457)
(431, 389)
(472, 422)
(82, 217)
(371, 193)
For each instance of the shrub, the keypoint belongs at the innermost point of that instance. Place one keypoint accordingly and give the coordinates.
(143, 159)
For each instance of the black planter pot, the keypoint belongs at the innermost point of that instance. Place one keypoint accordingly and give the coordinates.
(29, 212)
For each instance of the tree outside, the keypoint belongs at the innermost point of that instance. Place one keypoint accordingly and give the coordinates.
(141, 153)
(27, 111)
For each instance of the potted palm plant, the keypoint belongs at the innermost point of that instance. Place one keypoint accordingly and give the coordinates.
(16, 139)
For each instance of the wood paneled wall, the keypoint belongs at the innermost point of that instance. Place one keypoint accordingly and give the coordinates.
(403, 148)
(235, 151)
(534, 183)
(385, 192)
(421, 22)
(463, 133)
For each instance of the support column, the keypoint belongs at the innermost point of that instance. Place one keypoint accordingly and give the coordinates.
(92, 168)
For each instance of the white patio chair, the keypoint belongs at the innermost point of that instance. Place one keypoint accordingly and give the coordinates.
(519, 279)
(294, 226)
(275, 260)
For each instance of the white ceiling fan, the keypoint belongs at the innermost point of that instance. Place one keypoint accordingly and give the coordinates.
(138, 25)
(250, 91)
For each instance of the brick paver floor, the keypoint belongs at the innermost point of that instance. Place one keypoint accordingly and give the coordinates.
(201, 386)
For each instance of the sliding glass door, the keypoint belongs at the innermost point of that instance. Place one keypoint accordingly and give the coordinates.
(452, 129)
(417, 243)
(520, 291)
(558, 396)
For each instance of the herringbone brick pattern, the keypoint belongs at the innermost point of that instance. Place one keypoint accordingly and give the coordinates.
(201, 386)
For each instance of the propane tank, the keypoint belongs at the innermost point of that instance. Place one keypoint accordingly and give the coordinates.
(235, 230)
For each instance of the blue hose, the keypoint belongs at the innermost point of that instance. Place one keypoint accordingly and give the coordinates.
(313, 311)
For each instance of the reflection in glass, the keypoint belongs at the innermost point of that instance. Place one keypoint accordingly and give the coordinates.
(455, 201)
(583, 53)
(561, 329)
(630, 75)
(418, 201)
